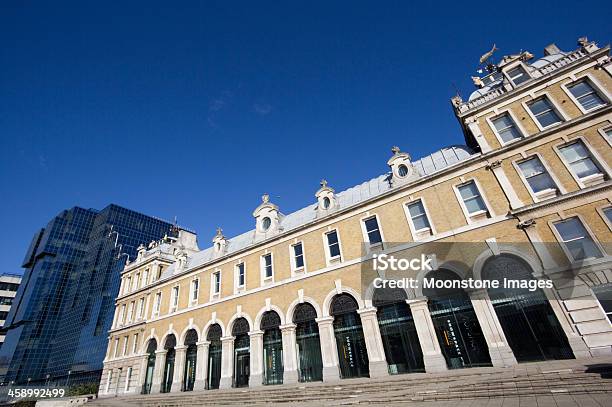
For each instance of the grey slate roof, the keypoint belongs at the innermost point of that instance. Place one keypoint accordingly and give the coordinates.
(425, 166)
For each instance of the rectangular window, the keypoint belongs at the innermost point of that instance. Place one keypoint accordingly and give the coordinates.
(608, 134)
(577, 240)
(109, 377)
(216, 277)
(117, 347)
(122, 315)
(537, 177)
(157, 304)
(544, 112)
(195, 290)
(145, 277)
(586, 95)
(128, 285)
(131, 312)
(135, 344)
(579, 160)
(267, 263)
(333, 244)
(174, 298)
(137, 281)
(298, 255)
(418, 216)
(372, 230)
(603, 293)
(608, 213)
(141, 306)
(128, 379)
(125, 345)
(474, 204)
(518, 75)
(240, 275)
(506, 128)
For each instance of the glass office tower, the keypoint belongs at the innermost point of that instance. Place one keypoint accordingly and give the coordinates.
(57, 328)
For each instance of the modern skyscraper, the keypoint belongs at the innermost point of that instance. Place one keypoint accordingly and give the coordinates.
(57, 329)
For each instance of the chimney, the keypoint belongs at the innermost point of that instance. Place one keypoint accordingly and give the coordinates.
(551, 49)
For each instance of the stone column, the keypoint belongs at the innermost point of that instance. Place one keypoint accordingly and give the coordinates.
(290, 373)
(201, 366)
(179, 368)
(329, 349)
(478, 136)
(376, 351)
(541, 249)
(505, 184)
(158, 372)
(499, 350)
(142, 372)
(578, 345)
(432, 354)
(227, 362)
(256, 359)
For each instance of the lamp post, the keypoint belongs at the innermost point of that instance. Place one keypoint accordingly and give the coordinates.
(68, 378)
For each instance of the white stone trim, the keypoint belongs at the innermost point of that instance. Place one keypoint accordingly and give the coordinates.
(328, 259)
(474, 217)
(594, 155)
(567, 216)
(562, 115)
(366, 239)
(538, 198)
(594, 83)
(517, 123)
(420, 234)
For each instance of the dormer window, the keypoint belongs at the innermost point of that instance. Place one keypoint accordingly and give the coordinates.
(267, 216)
(219, 242)
(518, 75)
(266, 223)
(326, 197)
(401, 166)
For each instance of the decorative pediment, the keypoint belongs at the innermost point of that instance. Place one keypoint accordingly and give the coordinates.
(219, 242)
(326, 198)
(267, 216)
(401, 166)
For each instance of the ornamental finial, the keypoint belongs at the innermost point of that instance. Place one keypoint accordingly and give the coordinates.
(323, 183)
(219, 231)
(395, 150)
(265, 198)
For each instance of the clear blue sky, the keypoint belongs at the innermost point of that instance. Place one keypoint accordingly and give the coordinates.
(194, 109)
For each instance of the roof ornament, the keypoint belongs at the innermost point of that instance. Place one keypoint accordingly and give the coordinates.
(323, 183)
(583, 41)
(478, 82)
(485, 57)
(265, 198)
(219, 231)
(395, 150)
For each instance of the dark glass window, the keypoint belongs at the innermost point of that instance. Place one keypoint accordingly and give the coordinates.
(506, 128)
(544, 112)
(333, 244)
(268, 265)
(241, 275)
(298, 255)
(373, 231)
(586, 95)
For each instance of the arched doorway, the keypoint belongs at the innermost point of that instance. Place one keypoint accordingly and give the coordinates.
(191, 356)
(398, 332)
(240, 331)
(459, 334)
(352, 352)
(529, 322)
(310, 362)
(214, 356)
(169, 346)
(150, 369)
(272, 348)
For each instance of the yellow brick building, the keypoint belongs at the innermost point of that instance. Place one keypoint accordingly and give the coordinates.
(530, 194)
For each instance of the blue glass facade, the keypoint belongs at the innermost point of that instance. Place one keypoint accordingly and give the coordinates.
(65, 304)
